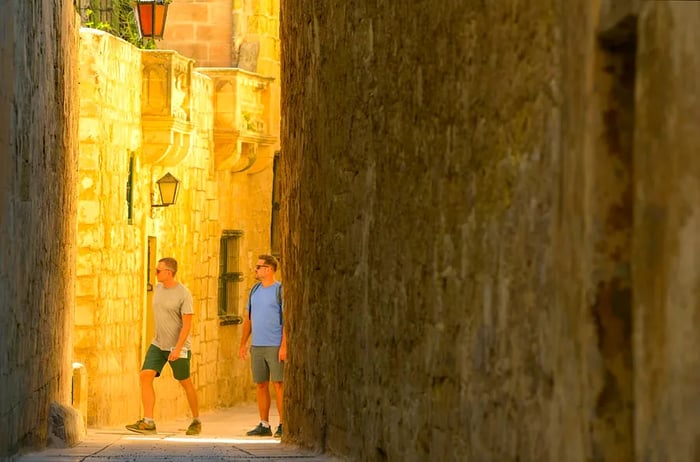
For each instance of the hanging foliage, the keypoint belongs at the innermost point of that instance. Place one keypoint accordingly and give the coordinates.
(113, 16)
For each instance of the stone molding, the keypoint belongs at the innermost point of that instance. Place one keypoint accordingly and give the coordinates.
(166, 107)
(241, 117)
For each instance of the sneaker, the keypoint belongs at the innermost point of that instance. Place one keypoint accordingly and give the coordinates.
(142, 427)
(278, 433)
(260, 430)
(195, 428)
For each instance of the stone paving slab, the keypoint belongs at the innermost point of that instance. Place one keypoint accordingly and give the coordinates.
(223, 438)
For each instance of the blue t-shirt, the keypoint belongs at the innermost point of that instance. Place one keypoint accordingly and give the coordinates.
(266, 316)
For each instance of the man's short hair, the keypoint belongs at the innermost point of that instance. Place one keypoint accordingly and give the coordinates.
(269, 260)
(171, 263)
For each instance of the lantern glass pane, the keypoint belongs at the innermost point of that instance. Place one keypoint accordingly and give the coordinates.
(151, 18)
(167, 192)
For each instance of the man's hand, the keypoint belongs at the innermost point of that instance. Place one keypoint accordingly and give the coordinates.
(243, 352)
(174, 354)
(282, 355)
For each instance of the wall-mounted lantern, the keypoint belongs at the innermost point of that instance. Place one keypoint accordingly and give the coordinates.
(168, 186)
(150, 16)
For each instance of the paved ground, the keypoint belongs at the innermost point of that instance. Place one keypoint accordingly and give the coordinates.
(222, 439)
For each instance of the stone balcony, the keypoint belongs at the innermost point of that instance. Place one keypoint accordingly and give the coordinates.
(166, 107)
(242, 117)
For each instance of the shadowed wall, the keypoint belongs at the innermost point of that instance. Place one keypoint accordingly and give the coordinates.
(462, 187)
(38, 163)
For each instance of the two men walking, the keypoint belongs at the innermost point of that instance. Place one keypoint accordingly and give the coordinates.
(173, 312)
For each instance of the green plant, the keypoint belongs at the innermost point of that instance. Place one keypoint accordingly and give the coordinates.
(94, 23)
(118, 20)
(248, 120)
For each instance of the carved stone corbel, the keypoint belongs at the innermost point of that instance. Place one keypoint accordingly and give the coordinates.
(241, 109)
(166, 107)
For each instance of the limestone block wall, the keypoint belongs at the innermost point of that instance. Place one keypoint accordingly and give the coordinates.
(246, 136)
(110, 283)
(256, 40)
(488, 229)
(200, 29)
(38, 162)
(145, 114)
(223, 33)
(189, 231)
(420, 165)
(667, 189)
(249, 212)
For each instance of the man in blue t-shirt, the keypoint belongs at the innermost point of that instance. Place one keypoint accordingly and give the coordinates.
(268, 349)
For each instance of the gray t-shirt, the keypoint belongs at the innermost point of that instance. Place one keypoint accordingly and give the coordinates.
(168, 307)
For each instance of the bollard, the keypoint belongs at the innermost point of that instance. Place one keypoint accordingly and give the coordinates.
(79, 394)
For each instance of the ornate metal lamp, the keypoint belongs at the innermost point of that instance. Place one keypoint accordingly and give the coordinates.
(150, 16)
(168, 186)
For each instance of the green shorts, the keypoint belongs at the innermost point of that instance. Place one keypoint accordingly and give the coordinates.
(265, 364)
(156, 358)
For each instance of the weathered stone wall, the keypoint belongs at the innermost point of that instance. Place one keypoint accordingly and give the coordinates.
(150, 112)
(223, 33)
(38, 160)
(113, 308)
(666, 231)
(189, 231)
(421, 153)
(250, 104)
(235, 384)
(110, 275)
(242, 34)
(201, 30)
(487, 233)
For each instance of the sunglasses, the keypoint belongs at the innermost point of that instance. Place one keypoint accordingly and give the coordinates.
(261, 266)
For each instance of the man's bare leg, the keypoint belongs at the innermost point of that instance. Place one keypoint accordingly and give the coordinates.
(263, 392)
(279, 398)
(191, 393)
(148, 393)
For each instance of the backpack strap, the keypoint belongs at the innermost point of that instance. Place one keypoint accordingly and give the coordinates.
(250, 296)
(279, 298)
(279, 301)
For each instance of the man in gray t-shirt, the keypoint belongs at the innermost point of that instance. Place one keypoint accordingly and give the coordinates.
(172, 316)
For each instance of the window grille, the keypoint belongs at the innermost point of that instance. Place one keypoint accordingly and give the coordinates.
(275, 233)
(130, 191)
(230, 277)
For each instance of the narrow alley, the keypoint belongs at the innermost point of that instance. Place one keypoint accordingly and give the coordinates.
(485, 216)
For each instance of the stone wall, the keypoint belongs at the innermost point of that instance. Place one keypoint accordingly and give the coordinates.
(223, 33)
(666, 230)
(244, 176)
(140, 114)
(38, 164)
(201, 30)
(110, 292)
(144, 114)
(489, 228)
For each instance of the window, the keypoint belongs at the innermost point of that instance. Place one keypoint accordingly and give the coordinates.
(230, 277)
(150, 267)
(130, 191)
(275, 247)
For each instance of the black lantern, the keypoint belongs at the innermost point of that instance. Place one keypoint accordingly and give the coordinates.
(150, 15)
(168, 187)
